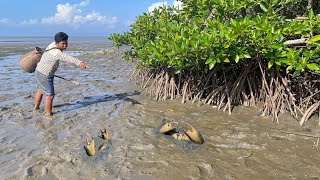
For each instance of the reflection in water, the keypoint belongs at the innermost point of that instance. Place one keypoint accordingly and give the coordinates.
(42, 126)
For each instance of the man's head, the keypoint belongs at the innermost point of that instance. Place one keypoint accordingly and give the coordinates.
(61, 40)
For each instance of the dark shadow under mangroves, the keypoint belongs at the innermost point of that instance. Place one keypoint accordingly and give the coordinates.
(90, 100)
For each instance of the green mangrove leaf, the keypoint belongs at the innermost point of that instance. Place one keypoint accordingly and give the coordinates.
(247, 56)
(289, 68)
(237, 58)
(284, 61)
(311, 14)
(298, 32)
(313, 67)
(263, 7)
(212, 64)
(299, 67)
(296, 74)
(270, 63)
(276, 46)
(314, 38)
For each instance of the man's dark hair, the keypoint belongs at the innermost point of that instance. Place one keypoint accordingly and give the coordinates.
(60, 36)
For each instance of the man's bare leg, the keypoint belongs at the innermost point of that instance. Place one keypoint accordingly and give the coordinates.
(37, 99)
(49, 100)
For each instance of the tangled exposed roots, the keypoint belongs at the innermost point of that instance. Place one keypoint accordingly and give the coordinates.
(250, 84)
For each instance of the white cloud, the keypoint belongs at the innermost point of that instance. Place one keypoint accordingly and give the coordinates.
(72, 15)
(178, 4)
(30, 22)
(84, 3)
(157, 5)
(64, 14)
(94, 17)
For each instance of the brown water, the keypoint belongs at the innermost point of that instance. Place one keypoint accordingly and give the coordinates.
(238, 146)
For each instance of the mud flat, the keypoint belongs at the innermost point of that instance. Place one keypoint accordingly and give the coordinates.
(238, 146)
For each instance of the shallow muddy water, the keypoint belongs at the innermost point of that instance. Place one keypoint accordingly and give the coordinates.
(238, 146)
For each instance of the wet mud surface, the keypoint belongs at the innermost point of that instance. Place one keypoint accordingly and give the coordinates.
(238, 146)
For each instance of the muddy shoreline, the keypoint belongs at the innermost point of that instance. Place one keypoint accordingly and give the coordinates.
(238, 146)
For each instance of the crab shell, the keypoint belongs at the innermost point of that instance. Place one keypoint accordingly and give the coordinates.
(194, 135)
(167, 128)
(91, 151)
(104, 134)
(181, 136)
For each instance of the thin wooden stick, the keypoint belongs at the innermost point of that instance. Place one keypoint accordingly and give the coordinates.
(74, 82)
(125, 67)
(228, 95)
(309, 112)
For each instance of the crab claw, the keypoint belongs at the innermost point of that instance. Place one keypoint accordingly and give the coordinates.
(104, 134)
(90, 147)
(194, 135)
(167, 128)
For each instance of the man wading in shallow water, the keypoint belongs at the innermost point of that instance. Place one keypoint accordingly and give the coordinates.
(46, 68)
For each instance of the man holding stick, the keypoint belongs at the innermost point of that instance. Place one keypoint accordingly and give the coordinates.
(46, 68)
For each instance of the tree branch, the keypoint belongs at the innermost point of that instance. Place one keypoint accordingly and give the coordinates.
(296, 41)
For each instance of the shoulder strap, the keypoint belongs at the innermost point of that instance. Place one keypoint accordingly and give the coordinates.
(50, 49)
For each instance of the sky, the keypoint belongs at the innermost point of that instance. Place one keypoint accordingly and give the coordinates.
(79, 18)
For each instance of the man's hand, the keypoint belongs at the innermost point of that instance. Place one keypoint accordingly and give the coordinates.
(83, 65)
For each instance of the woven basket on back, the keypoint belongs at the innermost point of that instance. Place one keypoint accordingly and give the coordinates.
(29, 61)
